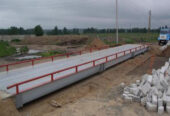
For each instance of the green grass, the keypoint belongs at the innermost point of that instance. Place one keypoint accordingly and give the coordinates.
(51, 53)
(126, 37)
(6, 49)
(15, 40)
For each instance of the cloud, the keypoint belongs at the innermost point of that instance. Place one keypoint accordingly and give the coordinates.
(82, 13)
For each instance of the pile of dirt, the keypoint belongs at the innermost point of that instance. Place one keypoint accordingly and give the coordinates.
(97, 43)
(166, 53)
(55, 40)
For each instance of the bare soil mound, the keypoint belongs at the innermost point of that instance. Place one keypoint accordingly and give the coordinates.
(166, 53)
(96, 43)
(56, 40)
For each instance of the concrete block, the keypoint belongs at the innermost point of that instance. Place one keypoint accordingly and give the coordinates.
(126, 89)
(166, 65)
(143, 101)
(168, 100)
(168, 109)
(164, 98)
(149, 79)
(154, 99)
(163, 69)
(145, 88)
(137, 82)
(126, 92)
(128, 99)
(153, 71)
(160, 94)
(160, 110)
(160, 102)
(159, 87)
(151, 107)
(155, 80)
(154, 91)
(149, 98)
(122, 85)
(168, 91)
(136, 99)
(164, 83)
(134, 91)
(133, 85)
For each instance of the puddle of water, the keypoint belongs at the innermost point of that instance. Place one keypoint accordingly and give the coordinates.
(34, 51)
(28, 57)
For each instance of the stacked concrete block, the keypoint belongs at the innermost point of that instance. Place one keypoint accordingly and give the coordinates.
(153, 91)
(160, 110)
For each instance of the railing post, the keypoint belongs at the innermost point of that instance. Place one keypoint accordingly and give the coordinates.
(90, 50)
(80, 53)
(94, 63)
(52, 77)
(52, 58)
(116, 55)
(17, 89)
(106, 59)
(32, 62)
(76, 69)
(67, 55)
(130, 50)
(7, 68)
(124, 53)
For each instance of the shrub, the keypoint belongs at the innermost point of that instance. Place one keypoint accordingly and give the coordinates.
(51, 53)
(24, 50)
(6, 49)
(129, 41)
(15, 40)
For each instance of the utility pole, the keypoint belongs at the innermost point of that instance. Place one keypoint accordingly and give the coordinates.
(149, 23)
(117, 25)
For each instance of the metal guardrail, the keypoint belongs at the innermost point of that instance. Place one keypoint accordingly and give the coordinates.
(6, 66)
(76, 69)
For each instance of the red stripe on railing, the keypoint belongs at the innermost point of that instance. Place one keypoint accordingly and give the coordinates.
(73, 67)
(51, 57)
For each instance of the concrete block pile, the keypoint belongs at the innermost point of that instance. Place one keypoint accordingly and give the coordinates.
(153, 91)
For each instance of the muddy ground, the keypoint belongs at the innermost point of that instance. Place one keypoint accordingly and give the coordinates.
(99, 95)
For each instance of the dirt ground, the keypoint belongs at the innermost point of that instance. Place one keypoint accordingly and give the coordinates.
(99, 95)
(55, 40)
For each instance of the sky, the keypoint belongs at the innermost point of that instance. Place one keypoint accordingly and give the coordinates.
(83, 13)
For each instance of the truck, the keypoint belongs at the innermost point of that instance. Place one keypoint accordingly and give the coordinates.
(164, 36)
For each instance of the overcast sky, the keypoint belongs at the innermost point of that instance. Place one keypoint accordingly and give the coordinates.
(82, 13)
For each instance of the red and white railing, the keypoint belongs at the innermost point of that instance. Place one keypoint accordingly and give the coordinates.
(33, 61)
(75, 69)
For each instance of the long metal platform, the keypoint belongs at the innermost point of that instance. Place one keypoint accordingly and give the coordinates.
(29, 83)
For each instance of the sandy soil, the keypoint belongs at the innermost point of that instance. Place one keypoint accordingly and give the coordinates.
(99, 95)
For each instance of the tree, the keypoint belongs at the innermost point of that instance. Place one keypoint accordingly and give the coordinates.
(65, 31)
(75, 31)
(55, 31)
(13, 31)
(38, 31)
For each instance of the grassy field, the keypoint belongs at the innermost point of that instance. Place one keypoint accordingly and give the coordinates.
(127, 37)
(6, 49)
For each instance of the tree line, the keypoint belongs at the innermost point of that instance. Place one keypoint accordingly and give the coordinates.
(39, 31)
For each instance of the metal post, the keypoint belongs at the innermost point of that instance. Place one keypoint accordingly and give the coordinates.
(117, 25)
